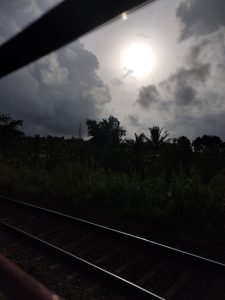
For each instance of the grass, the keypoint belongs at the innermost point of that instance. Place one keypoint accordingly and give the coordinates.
(182, 209)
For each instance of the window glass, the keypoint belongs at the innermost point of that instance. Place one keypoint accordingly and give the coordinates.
(162, 65)
(15, 15)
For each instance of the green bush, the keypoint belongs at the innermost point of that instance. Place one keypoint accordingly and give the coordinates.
(182, 206)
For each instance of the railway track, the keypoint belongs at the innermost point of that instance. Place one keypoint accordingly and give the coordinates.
(141, 268)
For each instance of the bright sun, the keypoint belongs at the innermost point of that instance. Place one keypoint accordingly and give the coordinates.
(138, 59)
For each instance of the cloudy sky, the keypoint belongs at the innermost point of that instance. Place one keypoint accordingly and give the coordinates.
(160, 65)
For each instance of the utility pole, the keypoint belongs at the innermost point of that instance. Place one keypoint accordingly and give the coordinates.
(80, 132)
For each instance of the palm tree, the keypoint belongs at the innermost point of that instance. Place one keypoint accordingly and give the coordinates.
(158, 137)
(139, 139)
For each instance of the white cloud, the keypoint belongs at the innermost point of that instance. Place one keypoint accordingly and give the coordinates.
(31, 8)
(194, 95)
(52, 73)
(148, 95)
(100, 95)
(59, 91)
(200, 17)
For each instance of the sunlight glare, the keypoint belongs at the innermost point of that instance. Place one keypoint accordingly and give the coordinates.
(139, 59)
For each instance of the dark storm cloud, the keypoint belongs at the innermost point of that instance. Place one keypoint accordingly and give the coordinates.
(193, 126)
(196, 50)
(200, 17)
(183, 83)
(117, 82)
(15, 15)
(56, 93)
(191, 100)
(195, 103)
(133, 120)
(197, 73)
(180, 87)
(148, 95)
(185, 95)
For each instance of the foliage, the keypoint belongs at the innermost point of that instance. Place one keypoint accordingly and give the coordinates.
(208, 144)
(9, 127)
(107, 132)
(157, 137)
(157, 184)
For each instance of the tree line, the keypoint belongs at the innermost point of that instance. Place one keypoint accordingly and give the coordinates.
(108, 146)
(172, 185)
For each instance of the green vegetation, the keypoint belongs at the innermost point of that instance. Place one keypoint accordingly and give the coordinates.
(170, 190)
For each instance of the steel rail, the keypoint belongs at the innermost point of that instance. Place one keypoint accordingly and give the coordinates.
(132, 289)
(172, 251)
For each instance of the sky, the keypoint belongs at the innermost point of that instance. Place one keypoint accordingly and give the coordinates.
(161, 65)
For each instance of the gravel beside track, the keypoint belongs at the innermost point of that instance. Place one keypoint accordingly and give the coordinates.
(57, 276)
(145, 269)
